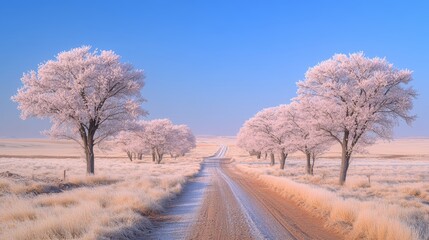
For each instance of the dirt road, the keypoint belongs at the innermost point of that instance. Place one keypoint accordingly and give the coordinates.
(234, 206)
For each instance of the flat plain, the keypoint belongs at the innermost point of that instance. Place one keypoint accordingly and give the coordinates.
(37, 202)
(386, 195)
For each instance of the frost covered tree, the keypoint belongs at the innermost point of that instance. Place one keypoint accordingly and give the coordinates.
(182, 142)
(251, 141)
(162, 137)
(357, 100)
(304, 135)
(269, 125)
(88, 96)
(129, 142)
(286, 128)
(156, 136)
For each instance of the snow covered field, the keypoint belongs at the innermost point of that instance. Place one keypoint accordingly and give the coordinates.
(117, 203)
(386, 195)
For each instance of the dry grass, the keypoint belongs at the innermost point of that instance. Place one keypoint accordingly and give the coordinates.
(384, 197)
(36, 202)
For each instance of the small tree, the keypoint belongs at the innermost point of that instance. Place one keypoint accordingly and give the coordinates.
(128, 142)
(269, 125)
(156, 135)
(183, 141)
(88, 96)
(304, 134)
(357, 100)
(252, 141)
(162, 137)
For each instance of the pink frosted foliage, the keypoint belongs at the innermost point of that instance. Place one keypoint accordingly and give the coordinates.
(250, 140)
(287, 128)
(355, 100)
(182, 142)
(161, 136)
(129, 142)
(352, 100)
(82, 91)
(265, 132)
(303, 133)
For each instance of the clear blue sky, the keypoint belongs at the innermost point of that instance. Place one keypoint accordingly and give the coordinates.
(213, 64)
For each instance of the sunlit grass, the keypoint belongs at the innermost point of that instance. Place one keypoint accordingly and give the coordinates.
(383, 198)
(37, 203)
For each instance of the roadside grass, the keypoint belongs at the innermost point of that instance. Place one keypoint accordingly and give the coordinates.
(36, 202)
(383, 198)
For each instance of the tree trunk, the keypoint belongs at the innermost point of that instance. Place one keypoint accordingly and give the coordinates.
(265, 155)
(345, 158)
(130, 155)
(159, 158)
(87, 136)
(140, 156)
(345, 161)
(273, 161)
(258, 155)
(283, 157)
(312, 164)
(153, 155)
(308, 166)
(89, 153)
